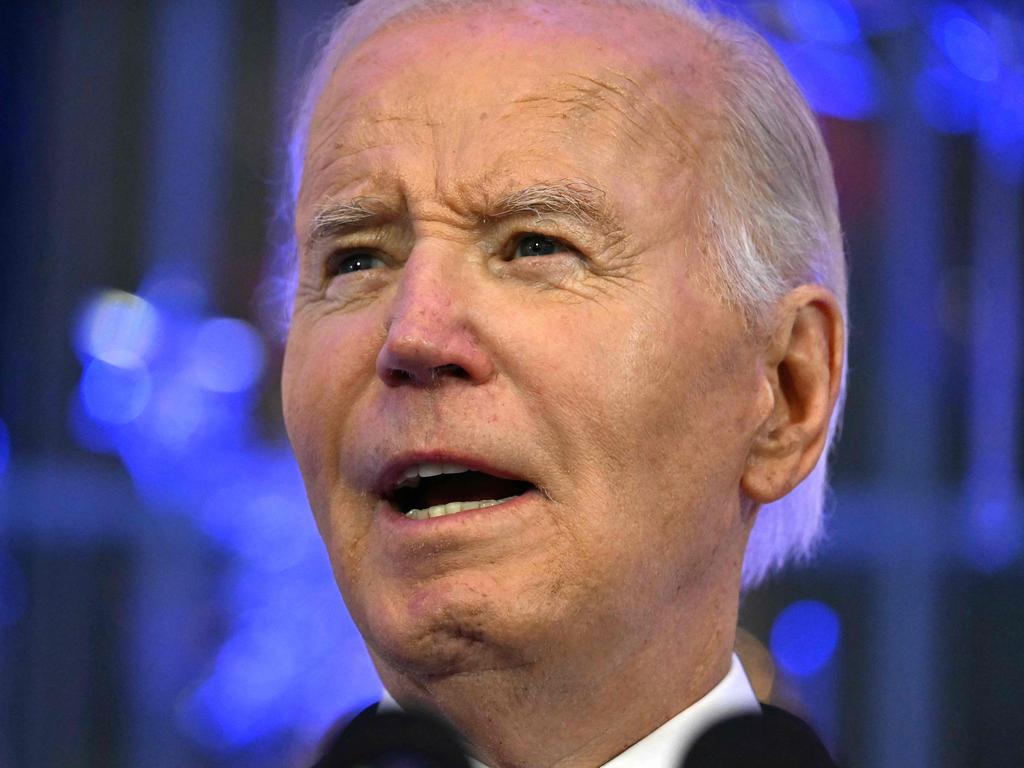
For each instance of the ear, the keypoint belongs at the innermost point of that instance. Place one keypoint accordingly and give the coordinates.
(803, 368)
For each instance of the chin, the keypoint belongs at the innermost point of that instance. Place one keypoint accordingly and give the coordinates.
(448, 627)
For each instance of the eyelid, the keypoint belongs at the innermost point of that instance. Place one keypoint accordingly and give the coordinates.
(377, 240)
(562, 227)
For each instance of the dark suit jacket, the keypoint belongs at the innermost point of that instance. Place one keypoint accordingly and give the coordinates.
(773, 739)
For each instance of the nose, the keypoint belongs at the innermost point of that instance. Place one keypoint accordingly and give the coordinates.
(431, 333)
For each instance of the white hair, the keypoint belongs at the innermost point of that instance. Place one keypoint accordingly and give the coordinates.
(768, 218)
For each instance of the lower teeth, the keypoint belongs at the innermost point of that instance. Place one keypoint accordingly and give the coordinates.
(453, 507)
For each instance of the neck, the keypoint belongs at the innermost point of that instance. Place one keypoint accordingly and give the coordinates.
(581, 713)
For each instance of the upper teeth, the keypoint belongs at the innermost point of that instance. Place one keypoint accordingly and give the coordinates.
(411, 477)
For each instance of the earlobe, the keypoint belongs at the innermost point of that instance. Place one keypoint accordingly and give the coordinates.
(803, 363)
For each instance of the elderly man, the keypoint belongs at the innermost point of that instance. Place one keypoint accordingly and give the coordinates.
(568, 321)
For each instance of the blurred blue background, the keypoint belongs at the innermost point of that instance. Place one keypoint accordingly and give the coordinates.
(164, 597)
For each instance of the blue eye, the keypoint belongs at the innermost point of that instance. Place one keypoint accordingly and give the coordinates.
(343, 263)
(533, 244)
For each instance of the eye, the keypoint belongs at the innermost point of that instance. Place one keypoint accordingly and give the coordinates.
(358, 261)
(533, 244)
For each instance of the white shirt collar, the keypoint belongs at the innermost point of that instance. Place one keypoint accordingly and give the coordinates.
(666, 746)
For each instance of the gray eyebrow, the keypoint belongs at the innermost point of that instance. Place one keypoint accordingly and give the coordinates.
(576, 198)
(337, 217)
(571, 197)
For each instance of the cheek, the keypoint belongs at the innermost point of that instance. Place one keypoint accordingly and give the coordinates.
(656, 401)
(324, 370)
(295, 401)
(319, 388)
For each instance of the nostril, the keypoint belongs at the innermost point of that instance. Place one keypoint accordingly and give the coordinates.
(399, 376)
(455, 371)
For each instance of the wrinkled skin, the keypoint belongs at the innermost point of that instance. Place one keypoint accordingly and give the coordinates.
(600, 367)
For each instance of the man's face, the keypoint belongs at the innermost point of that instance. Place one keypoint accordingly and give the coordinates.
(505, 276)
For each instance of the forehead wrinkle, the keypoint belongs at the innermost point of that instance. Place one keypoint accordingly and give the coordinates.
(344, 127)
(325, 164)
(588, 94)
(654, 107)
(593, 93)
(639, 111)
(371, 131)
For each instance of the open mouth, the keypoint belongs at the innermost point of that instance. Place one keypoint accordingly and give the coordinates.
(436, 490)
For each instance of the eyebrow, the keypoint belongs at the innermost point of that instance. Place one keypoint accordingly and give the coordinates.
(338, 217)
(575, 198)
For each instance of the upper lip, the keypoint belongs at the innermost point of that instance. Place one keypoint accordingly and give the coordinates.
(392, 470)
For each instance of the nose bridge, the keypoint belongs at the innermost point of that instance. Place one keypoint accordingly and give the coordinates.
(425, 299)
(430, 335)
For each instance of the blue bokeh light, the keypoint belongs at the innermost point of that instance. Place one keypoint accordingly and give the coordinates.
(995, 539)
(269, 528)
(13, 591)
(224, 714)
(253, 669)
(179, 413)
(832, 22)
(5, 448)
(291, 662)
(804, 637)
(837, 82)
(115, 394)
(117, 327)
(1001, 128)
(227, 355)
(967, 45)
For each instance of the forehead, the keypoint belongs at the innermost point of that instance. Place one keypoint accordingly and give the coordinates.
(484, 92)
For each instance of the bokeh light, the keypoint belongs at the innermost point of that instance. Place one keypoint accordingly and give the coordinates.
(995, 538)
(967, 45)
(821, 21)
(837, 82)
(117, 327)
(227, 355)
(1001, 128)
(179, 413)
(239, 702)
(804, 637)
(259, 525)
(115, 394)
